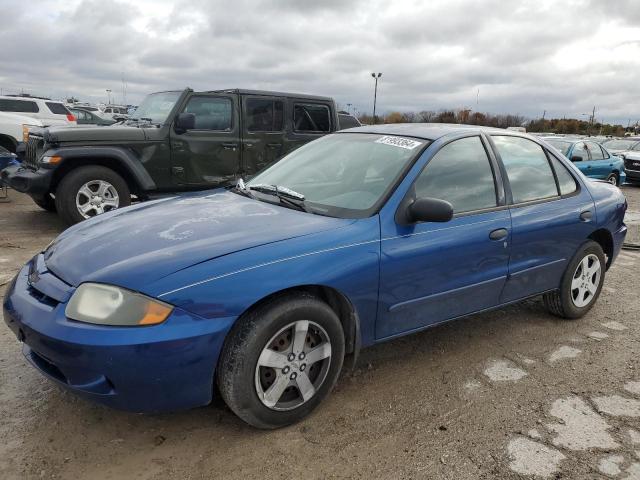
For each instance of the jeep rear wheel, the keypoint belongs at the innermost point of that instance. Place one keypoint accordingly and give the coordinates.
(90, 191)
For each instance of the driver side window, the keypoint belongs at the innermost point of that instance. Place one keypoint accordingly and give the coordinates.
(461, 174)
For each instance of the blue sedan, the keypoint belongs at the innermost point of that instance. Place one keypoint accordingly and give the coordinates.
(263, 289)
(593, 159)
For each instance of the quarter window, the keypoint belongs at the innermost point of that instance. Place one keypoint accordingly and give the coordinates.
(264, 115)
(527, 167)
(461, 174)
(57, 108)
(212, 113)
(22, 106)
(566, 182)
(311, 118)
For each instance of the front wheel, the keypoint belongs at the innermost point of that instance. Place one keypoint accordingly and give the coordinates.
(613, 179)
(281, 360)
(90, 191)
(46, 203)
(581, 283)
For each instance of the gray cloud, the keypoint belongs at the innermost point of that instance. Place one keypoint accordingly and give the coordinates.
(524, 57)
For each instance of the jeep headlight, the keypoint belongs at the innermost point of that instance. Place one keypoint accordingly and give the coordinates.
(108, 305)
(25, 131)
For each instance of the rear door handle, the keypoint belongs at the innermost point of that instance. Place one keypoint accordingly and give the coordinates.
(586, 216)
(274, 145)
(229, 146)
(499, 234)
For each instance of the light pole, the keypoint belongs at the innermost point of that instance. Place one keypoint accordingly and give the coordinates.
(375, 94)
(108, 96)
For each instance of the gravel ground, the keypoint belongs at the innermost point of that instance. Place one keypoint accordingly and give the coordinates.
(515, 393)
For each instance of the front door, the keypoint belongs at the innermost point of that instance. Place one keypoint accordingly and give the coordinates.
(431, 272)
(263, 132)
(601, 164)
(550, 216)
(209, 154)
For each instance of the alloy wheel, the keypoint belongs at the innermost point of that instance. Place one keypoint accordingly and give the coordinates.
(586, 280)
(293, 365)
(96, 197)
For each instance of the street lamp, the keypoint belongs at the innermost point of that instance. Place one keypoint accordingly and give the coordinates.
(375, 94)
(109, 96)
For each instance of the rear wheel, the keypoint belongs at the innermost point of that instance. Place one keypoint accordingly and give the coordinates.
(581, 283)
(90, 191)
(281, 360)
(613, 179)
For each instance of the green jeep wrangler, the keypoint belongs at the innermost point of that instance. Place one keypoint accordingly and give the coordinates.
(176, 141)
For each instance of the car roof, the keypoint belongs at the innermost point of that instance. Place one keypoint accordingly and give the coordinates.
(428, 131)
(267, 93)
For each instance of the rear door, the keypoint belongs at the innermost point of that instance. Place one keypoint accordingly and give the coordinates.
(262, 132)
(306, 121)
(550, 215)
(601, 164)
(208, 155)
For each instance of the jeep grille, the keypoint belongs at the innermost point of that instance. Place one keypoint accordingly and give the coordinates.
(33, 149)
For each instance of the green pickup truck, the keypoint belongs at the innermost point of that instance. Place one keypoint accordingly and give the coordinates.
(175, 141)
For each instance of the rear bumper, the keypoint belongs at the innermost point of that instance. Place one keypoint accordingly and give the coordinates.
(162, 368)
(35, 183)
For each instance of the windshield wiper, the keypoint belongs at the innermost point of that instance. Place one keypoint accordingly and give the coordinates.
(284, 194)
(240, 188)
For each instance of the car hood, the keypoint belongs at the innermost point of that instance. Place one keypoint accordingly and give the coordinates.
(137, 245)
(89, 133)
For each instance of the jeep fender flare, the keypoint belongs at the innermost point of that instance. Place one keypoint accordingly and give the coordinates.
(120, 159)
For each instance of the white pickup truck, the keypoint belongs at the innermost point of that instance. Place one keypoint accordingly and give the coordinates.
(15, 128)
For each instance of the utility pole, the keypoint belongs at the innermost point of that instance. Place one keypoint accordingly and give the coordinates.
(375, 95)
(349, 107)
(544, 113)
(108, 96)
(593, 116)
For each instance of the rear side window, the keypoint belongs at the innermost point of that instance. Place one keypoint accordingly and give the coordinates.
(527, 167)
(566, 182)
(311, 118)
(57, 108)
(596, 151)
(264, 115)
(212, 113)
(461, 174)
(23, 106)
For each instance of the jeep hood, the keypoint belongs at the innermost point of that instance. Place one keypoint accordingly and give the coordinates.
(90, 133)
(135, 246)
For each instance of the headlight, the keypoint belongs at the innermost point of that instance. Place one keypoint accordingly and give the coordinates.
(51, 159)
(107, 305)
(25, 131)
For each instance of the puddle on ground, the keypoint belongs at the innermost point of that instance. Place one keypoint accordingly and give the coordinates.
(611, 465)
(564, 352)
(597, 335)
(504, 371)
(617, 406)
(613, 325)
(632, 387)
(581, 427)
(533, 458)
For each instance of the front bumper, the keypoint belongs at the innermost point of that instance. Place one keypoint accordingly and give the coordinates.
(633, 176)
(34, 182)
(160, 368)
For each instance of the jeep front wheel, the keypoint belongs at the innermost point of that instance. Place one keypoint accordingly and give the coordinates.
(90, 191)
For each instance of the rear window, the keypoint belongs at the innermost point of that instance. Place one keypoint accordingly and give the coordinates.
(57, 108)
(311, 118)
(23, 106)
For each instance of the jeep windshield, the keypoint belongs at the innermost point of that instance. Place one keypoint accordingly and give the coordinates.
(155, 108)
(347, 175)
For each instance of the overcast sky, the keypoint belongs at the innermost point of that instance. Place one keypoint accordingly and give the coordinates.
(523, 56)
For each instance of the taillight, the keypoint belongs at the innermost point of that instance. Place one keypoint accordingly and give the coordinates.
(71, 117)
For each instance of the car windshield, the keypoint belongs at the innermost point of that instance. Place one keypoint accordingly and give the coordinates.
(620, 144)
(157, 106)
(561, 145)
(343, 175)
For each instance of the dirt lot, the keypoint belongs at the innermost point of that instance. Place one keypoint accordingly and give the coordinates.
(508, 394)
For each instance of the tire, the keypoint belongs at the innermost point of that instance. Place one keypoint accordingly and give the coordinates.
(563, 302)
(93, 177)
(241, 380)
(46, 203)
(613, 179)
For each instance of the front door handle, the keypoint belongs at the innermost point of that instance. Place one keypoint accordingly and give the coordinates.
(274, 145)
(586, 216)
(229, 146)
(499, 234)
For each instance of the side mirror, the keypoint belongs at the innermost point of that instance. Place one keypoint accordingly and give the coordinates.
(184, 122)
(576, 158)
(429, 210)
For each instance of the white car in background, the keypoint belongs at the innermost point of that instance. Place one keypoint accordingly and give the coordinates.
(15, 128)
(49, 112)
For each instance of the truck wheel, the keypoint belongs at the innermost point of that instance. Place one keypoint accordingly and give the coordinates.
(46, 203)
(89, 191)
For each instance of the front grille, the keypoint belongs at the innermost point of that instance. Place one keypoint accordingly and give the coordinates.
(631, 164)
(32, 151)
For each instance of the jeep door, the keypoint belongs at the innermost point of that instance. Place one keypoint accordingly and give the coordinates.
(262, 133)
(208, 154)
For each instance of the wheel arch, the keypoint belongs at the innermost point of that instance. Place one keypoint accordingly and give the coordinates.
(603, 237)
(8, 142)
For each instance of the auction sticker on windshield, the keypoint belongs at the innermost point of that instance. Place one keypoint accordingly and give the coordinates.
(399, 142)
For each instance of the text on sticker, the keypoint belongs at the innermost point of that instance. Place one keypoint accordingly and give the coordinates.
(399, 142)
